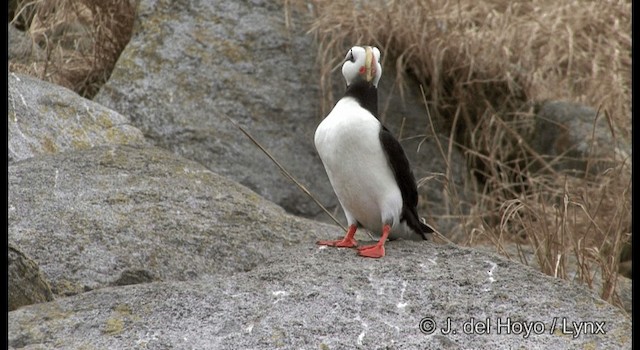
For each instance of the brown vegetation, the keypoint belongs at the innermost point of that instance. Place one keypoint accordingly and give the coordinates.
(483, 57)
(80, 40)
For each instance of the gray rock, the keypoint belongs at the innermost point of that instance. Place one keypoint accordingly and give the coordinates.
(191, 64)
(21, 48)
(45, 118)
(566, 137)
(525, 254)
(132, 214)
(25, 281)
(313, 298)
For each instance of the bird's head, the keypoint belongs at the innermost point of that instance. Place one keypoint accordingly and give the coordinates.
(362, 63)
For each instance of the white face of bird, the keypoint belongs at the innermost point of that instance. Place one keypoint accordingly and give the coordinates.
(362, 63)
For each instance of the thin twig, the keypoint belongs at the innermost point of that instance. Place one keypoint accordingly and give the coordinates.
(300, 186)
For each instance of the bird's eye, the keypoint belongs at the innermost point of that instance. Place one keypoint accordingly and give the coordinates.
(350, 56)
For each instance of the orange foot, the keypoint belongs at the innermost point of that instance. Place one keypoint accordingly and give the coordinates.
(376, 250)
(347, 242)
(340, 243)
(372, 251)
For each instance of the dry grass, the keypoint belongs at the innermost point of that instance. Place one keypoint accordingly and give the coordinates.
(484, 65)
(80, 40)
(578, 227)
(483, 56)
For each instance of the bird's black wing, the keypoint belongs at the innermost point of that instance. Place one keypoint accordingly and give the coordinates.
(405, 179)
(401, 168)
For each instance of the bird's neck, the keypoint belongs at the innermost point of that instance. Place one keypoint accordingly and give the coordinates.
(366, 94)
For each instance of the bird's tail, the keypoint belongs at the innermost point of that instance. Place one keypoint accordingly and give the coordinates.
(418, 224)
(425, 229)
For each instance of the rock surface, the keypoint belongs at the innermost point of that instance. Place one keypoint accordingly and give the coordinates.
(21, 48)
(45, 118)
(191, 64)
(314, 298)
(116, 214)
(516, 253)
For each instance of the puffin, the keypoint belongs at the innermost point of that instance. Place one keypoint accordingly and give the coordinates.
(366, 165)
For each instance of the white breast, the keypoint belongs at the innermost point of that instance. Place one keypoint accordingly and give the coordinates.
(348, 143)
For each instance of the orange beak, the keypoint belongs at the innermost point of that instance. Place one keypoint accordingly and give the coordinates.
(369, 64)
(369, 68)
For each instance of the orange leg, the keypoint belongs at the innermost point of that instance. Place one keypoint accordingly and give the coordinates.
(376, 250)
(347, 242)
